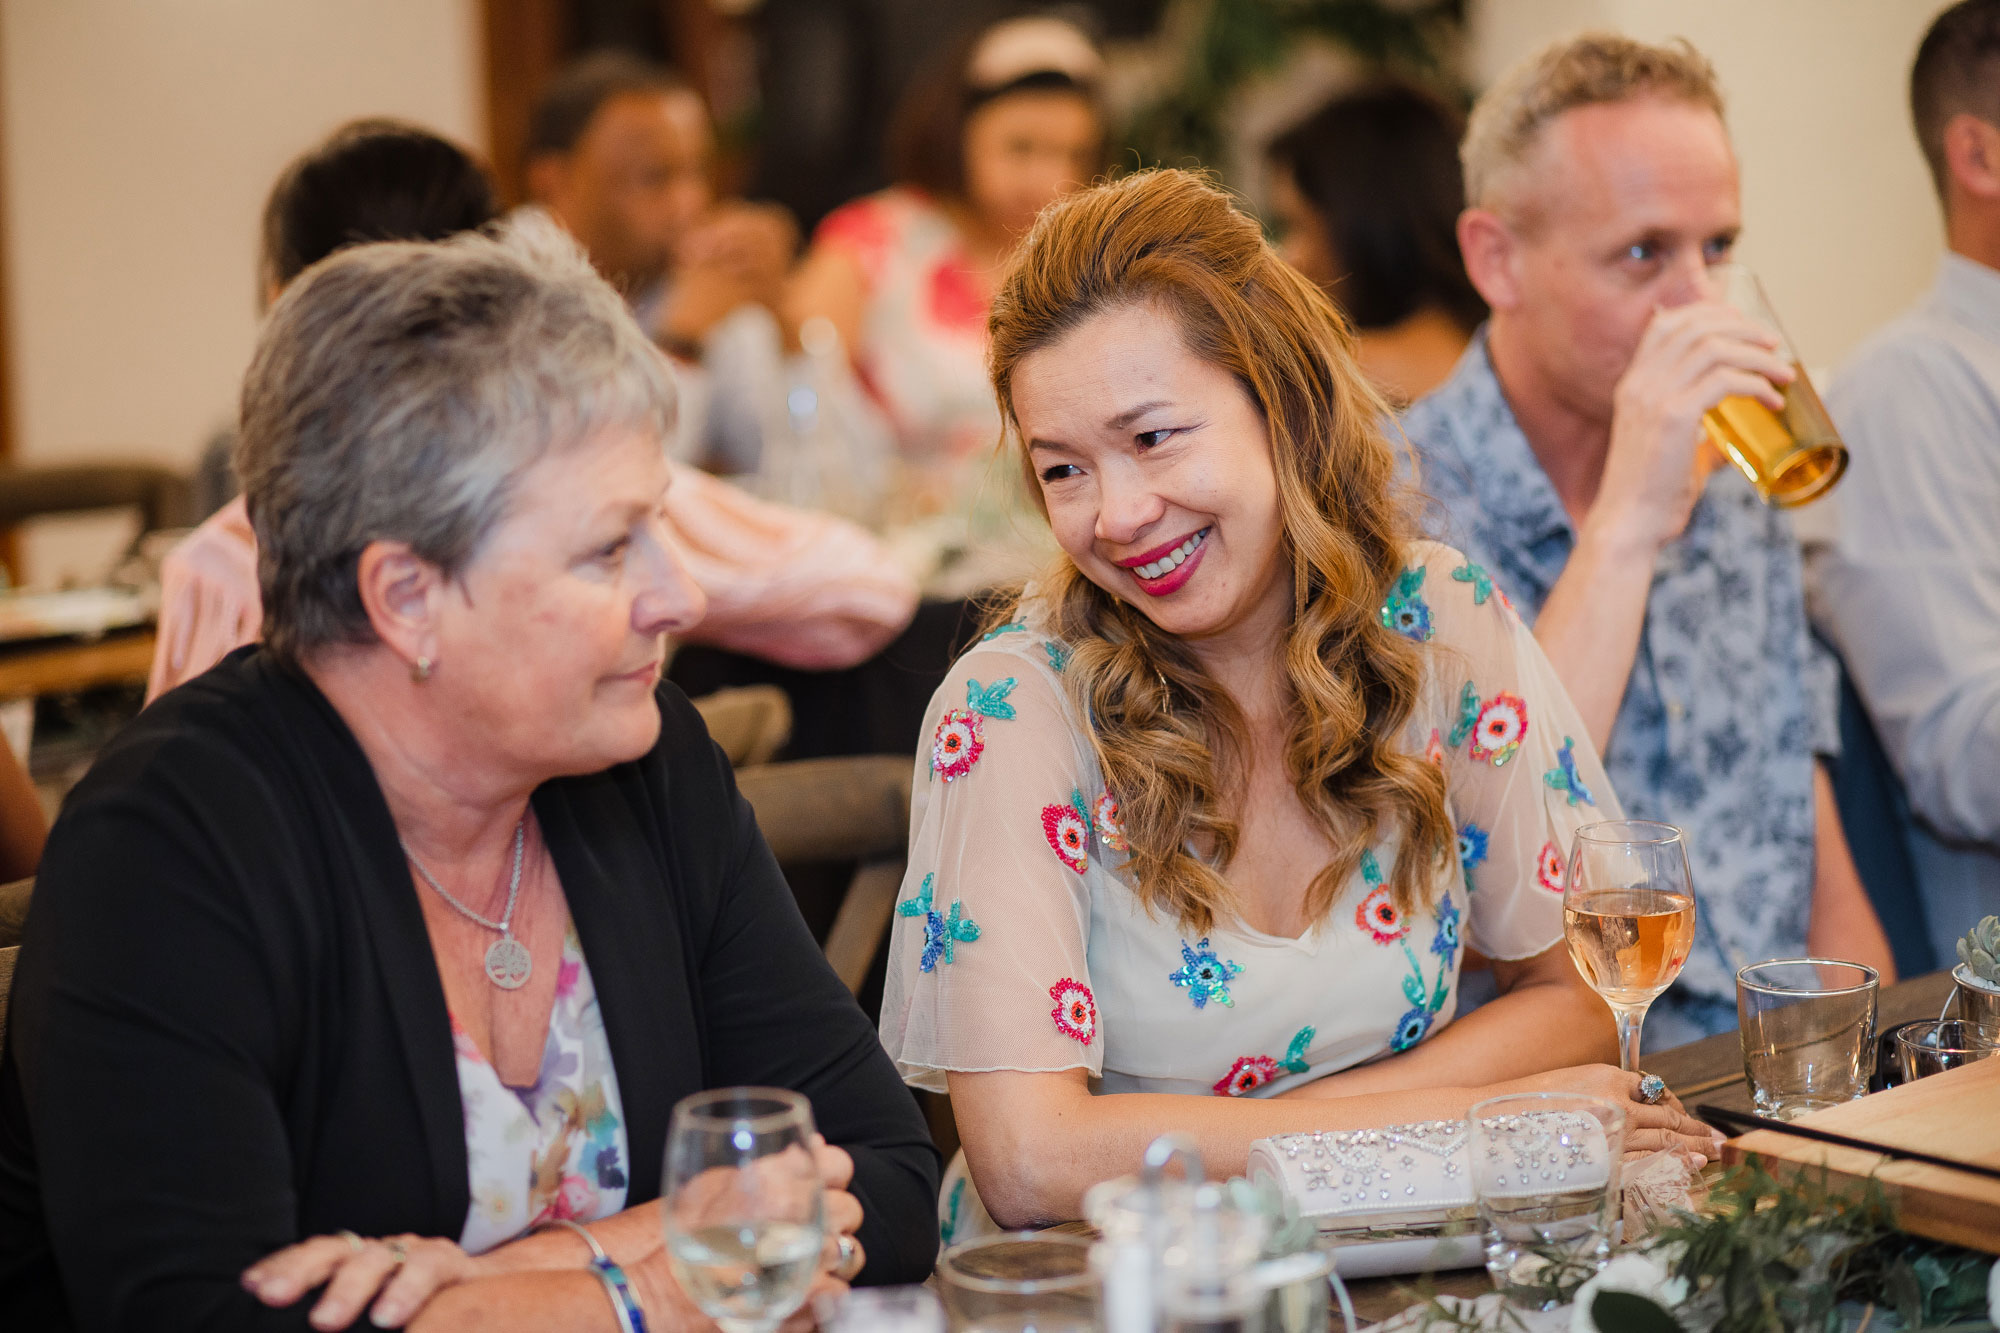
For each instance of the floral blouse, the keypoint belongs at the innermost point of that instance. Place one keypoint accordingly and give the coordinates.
(1019, 945)
(557, 1149)
(922, 349)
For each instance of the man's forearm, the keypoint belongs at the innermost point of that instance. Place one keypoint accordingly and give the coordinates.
(1591, 622)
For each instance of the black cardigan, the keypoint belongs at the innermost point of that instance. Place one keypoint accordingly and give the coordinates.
(228, 1031)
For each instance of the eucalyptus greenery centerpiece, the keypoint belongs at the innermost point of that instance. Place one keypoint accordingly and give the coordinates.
(1799, 1257)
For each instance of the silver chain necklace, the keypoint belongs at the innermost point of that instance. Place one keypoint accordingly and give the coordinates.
(508, 962)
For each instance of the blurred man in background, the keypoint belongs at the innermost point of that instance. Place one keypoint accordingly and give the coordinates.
(792, 586)
(620, 153)
(1909, 591)
(1568, 451)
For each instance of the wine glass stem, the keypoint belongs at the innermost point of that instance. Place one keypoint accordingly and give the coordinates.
(1630, 1018)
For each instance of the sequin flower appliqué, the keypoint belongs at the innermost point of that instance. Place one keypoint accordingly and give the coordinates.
(1251, 1072)
(1204, 975)
(1067, 827)
(942, 932)
(1075, 1013)
(1380, 918)
(961, 732)
(1406, 611)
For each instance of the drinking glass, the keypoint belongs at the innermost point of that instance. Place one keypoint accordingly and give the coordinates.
(1020, 1282)
(1628, 914)
(1793, 456)
(1545, 1174)
(1808, 1030)
(745, 1217)
(1933, 1045)
(880, 1310)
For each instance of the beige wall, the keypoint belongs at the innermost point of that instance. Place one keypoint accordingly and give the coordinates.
(1838, 212)
(140, 139)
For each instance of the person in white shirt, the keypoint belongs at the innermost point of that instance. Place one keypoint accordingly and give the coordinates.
(1909, 589)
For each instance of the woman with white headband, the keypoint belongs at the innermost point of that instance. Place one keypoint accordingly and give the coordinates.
(998, 128)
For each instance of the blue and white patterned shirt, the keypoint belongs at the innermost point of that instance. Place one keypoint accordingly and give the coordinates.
(1729, 697)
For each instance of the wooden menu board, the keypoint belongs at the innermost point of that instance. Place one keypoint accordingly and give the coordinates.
(1954, 1114)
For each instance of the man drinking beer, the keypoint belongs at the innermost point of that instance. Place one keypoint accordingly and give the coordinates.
(1569, 458)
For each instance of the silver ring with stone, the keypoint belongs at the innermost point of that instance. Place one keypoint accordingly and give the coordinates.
(1652, 1089)
(398, 1251)
(848, 1251)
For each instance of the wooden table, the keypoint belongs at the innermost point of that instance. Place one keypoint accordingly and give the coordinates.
(1710, 1070)
(53, 666)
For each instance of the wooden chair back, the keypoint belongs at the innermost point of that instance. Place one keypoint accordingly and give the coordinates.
(852, 810)
(750, 723)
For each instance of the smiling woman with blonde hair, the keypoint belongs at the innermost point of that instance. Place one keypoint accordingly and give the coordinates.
(1222, 800)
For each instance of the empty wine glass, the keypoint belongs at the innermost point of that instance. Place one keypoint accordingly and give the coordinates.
(1628, 914)
(744, 1213)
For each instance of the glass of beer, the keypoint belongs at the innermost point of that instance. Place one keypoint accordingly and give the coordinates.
(1628, 915)
(1791, 457)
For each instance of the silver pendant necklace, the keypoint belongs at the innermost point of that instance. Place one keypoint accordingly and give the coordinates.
(508, 963)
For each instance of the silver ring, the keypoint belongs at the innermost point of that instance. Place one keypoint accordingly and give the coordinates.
(398, 1251)
(1652, 1090)
(849, 1250)
(354, 1242)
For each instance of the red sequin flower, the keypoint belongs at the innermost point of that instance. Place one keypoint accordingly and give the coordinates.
(1380, 917)
(958, 743)
(1109, 830)
(1076, 1010)
(1063, 826)
(1549, 870)
(1434, 751)
(1498, 732)
(1247, 1074)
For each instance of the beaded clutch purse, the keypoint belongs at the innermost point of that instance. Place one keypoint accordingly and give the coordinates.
(1418, 1176)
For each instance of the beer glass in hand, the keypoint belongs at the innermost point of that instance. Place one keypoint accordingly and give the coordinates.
(745, 1220)
(1793, 456)
(1628, 914)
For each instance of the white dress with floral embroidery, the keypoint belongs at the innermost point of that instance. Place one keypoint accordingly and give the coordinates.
(1018, 944)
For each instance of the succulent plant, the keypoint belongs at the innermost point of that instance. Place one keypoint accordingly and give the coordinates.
(1979, 950)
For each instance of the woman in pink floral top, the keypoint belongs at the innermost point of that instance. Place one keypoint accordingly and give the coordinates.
(1004, 125)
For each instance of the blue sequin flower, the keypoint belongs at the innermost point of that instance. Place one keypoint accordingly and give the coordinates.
(1411, 1029)
(1563, 776)
(1471, 849)
(1058, 656)
(1445, 943)
(1406, 612)
(1205, 976)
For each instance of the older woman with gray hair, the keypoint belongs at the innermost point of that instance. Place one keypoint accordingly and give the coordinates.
(394, 939)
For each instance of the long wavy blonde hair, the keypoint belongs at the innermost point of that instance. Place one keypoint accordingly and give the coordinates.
(1158, 721)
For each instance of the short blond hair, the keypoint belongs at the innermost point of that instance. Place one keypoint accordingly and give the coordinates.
(1589, 69)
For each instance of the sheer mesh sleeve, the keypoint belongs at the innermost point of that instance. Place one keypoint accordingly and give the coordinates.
(987, 962)
(1520, 770)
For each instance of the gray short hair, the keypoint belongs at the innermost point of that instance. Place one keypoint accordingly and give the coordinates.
(1588, 69)
(398, 393)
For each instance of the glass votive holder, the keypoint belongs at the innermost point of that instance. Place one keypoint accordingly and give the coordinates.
(1931, 1046)
(1808, 1031)
(1545, 1174)
(1019, 1282)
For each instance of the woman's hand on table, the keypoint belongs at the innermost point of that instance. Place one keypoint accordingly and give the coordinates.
(357, 1272)
(1648, 1129)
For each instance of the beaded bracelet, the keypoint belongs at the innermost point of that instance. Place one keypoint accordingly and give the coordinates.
(624, 1302)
